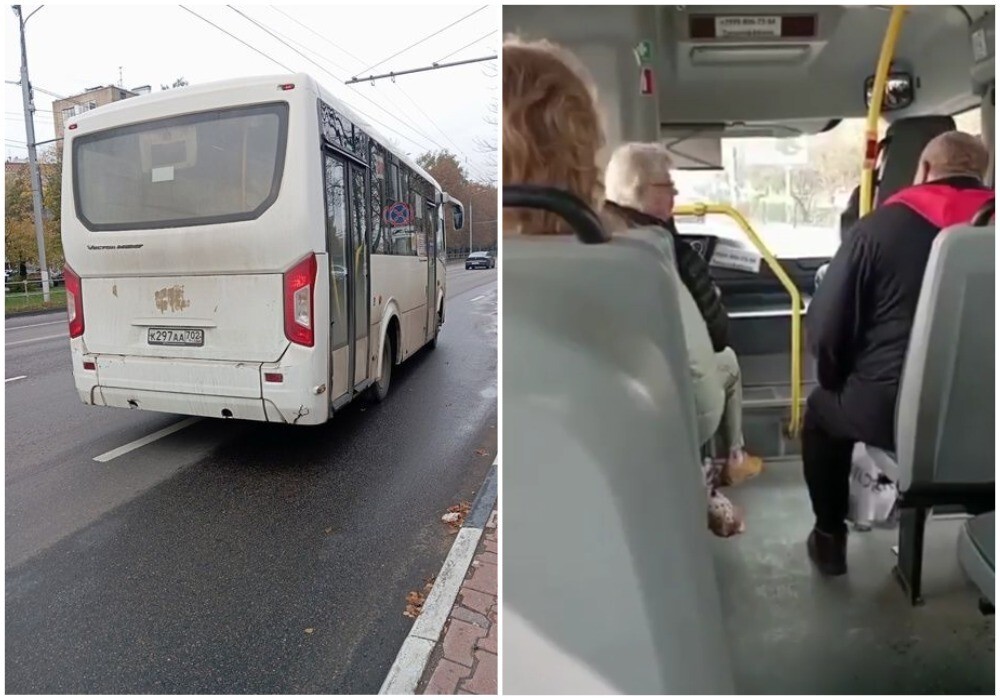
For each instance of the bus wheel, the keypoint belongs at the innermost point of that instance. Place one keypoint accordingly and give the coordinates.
(382, 383)
(433, 343)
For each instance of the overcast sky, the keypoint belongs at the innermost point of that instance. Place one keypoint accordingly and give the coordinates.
(71, 48)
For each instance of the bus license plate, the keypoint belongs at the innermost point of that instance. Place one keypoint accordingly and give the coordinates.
(177, 336)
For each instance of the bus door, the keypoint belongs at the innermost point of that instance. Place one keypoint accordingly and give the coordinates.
(358, 271)
(347, 246)
(430, 226)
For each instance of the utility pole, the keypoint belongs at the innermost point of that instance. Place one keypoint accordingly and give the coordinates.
(471, 220)
(36, 178)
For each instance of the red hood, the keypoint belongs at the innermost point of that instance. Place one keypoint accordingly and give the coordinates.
(943, 205)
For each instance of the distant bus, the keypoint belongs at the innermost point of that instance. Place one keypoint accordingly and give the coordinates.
(246, 249)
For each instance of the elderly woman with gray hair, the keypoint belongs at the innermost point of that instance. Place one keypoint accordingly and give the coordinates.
(640, 192)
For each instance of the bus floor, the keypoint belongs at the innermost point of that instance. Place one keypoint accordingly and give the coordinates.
(793, 632)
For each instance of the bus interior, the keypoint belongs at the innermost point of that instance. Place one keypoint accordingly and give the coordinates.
(623, 589)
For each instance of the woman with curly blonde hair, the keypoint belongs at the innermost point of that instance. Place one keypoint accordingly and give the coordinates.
(552, 130)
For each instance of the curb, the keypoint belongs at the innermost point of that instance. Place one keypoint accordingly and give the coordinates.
(411, 661)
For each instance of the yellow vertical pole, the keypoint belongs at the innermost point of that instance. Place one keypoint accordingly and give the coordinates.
(867, 197)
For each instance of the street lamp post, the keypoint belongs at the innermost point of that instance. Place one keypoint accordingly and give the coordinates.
(36, 178)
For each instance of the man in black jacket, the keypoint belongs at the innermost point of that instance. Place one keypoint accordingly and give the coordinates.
(641, 193)
(859, 323)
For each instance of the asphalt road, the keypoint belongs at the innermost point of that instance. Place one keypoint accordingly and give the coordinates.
(233, 557)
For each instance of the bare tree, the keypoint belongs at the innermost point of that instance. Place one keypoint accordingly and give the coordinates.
(487, 145)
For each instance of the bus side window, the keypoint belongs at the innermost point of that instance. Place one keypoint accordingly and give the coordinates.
(440, 224)
(430, 226)
(417, 241)
(402, 234)
(397, 193)
(336, 233)
(377, 197)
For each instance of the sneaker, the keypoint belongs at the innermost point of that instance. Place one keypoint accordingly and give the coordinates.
(828, 552)
(740, 466)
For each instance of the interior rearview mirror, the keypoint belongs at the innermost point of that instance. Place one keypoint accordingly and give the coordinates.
(898, 91)
(458, 217)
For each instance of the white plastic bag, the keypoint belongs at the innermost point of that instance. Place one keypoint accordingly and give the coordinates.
(872, 494)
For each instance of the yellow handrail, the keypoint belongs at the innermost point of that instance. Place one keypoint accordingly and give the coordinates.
(701, 210)
(865, 201)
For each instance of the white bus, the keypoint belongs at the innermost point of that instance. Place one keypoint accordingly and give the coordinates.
(246, 249)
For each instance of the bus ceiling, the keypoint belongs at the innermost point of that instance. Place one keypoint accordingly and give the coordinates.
(754, 68)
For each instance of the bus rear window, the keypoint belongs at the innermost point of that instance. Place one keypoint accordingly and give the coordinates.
(205, 168)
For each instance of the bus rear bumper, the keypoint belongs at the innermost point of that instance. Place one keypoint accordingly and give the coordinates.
(193, 388)
(183, 404)
(263, 410)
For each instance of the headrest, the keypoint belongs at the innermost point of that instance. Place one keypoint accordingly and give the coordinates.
(905, 140)
(572, 209)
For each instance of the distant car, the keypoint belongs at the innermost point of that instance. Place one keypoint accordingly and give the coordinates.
(482, 260)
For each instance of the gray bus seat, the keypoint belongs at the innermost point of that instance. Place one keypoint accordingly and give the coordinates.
(986, 214)
(976, 544)
(945, 430)
(607, 555)
(704, 370)
(905, 140)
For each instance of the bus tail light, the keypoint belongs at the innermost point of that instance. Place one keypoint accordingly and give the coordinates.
(300, 284)
(74, 302)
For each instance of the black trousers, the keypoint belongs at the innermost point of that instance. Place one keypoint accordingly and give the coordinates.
(833, 423)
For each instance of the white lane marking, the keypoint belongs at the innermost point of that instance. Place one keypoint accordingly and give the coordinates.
(36, 340)
(14, 379)
(481, 296)
(36, 325)
(142, 442)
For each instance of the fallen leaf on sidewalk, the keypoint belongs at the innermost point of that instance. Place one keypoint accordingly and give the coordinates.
(309, 630)
(481, 453)
(456, 514)
(414, 604)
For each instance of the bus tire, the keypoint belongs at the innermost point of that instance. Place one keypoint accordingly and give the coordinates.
(381, 387)
(433, 343)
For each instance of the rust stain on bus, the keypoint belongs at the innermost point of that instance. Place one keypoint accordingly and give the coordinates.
(171, 299)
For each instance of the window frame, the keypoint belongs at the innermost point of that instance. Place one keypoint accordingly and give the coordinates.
(278, 108)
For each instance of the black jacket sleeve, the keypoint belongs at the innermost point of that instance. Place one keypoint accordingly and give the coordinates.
(697, 278)
(833, 320)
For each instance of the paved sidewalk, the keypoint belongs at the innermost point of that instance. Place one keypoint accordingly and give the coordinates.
(464, 662)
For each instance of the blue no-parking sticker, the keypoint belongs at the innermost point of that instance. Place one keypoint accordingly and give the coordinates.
(397, 214)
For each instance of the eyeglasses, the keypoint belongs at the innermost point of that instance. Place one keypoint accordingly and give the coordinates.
(668, 184)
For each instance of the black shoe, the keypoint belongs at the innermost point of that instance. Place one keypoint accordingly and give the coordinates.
(828, 552)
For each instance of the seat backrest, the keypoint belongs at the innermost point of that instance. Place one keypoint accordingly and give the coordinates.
(905, 140)
(945, 431)
(607, 555)
(851, 213)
